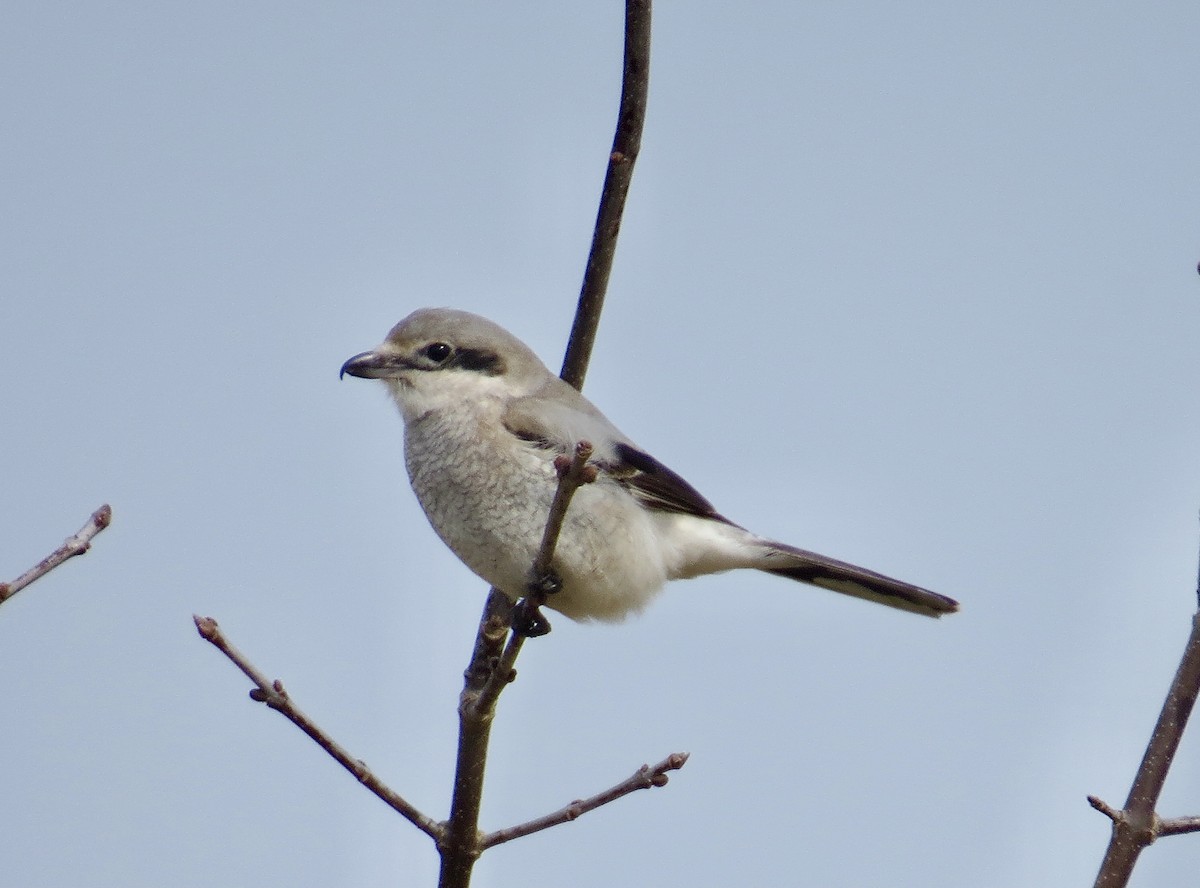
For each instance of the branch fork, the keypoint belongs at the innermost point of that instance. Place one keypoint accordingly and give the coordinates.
(458, 839)
(504, 625)
(1137, 825)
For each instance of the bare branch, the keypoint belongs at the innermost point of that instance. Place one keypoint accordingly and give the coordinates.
(645, 777)
(75, 545)
(627, 142)
(1105, 808)
(492, 662)
(272, 693)
(1177, 826)
(461, 847)
(1137, 824)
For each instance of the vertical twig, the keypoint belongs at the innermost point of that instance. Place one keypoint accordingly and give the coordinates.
(462, 842)
(635, 88)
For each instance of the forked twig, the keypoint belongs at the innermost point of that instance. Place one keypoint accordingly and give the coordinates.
(492, 662)
(272, 693)
(74, 545)
(1138, 825)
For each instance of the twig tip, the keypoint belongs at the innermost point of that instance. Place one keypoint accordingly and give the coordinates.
(1104, 808)
(206, 626)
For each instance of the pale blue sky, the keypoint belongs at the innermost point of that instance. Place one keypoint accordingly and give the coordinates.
(914, 287)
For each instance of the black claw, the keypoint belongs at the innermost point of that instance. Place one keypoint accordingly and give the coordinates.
(528, 619)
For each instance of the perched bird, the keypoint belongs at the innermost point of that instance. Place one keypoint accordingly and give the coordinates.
(484, 421)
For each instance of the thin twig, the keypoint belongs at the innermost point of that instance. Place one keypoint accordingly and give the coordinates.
(627, 142)
(74, 545)
(1177, 826)
(573, 472)
(272, 693)
(1137, 824)
(1105, 808)
(644, 777)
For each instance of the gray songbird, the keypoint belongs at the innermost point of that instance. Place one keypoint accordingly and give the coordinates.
(483, 422)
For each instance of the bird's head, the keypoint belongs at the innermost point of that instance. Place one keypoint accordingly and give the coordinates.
(439, 357)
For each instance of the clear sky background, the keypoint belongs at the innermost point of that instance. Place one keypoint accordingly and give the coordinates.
(913, 286)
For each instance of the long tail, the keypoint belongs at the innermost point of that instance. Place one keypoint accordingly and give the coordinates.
(829, 573)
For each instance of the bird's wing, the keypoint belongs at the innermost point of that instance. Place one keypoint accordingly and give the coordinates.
(558, 423)
(657, 486)
(558, 420)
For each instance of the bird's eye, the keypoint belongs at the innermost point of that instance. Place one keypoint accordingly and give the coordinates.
(437, 351)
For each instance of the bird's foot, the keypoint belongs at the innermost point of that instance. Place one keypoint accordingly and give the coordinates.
(542, 585)
(527, 616)
(528, 619)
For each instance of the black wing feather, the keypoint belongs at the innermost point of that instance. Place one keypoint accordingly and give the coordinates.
(657, 486)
